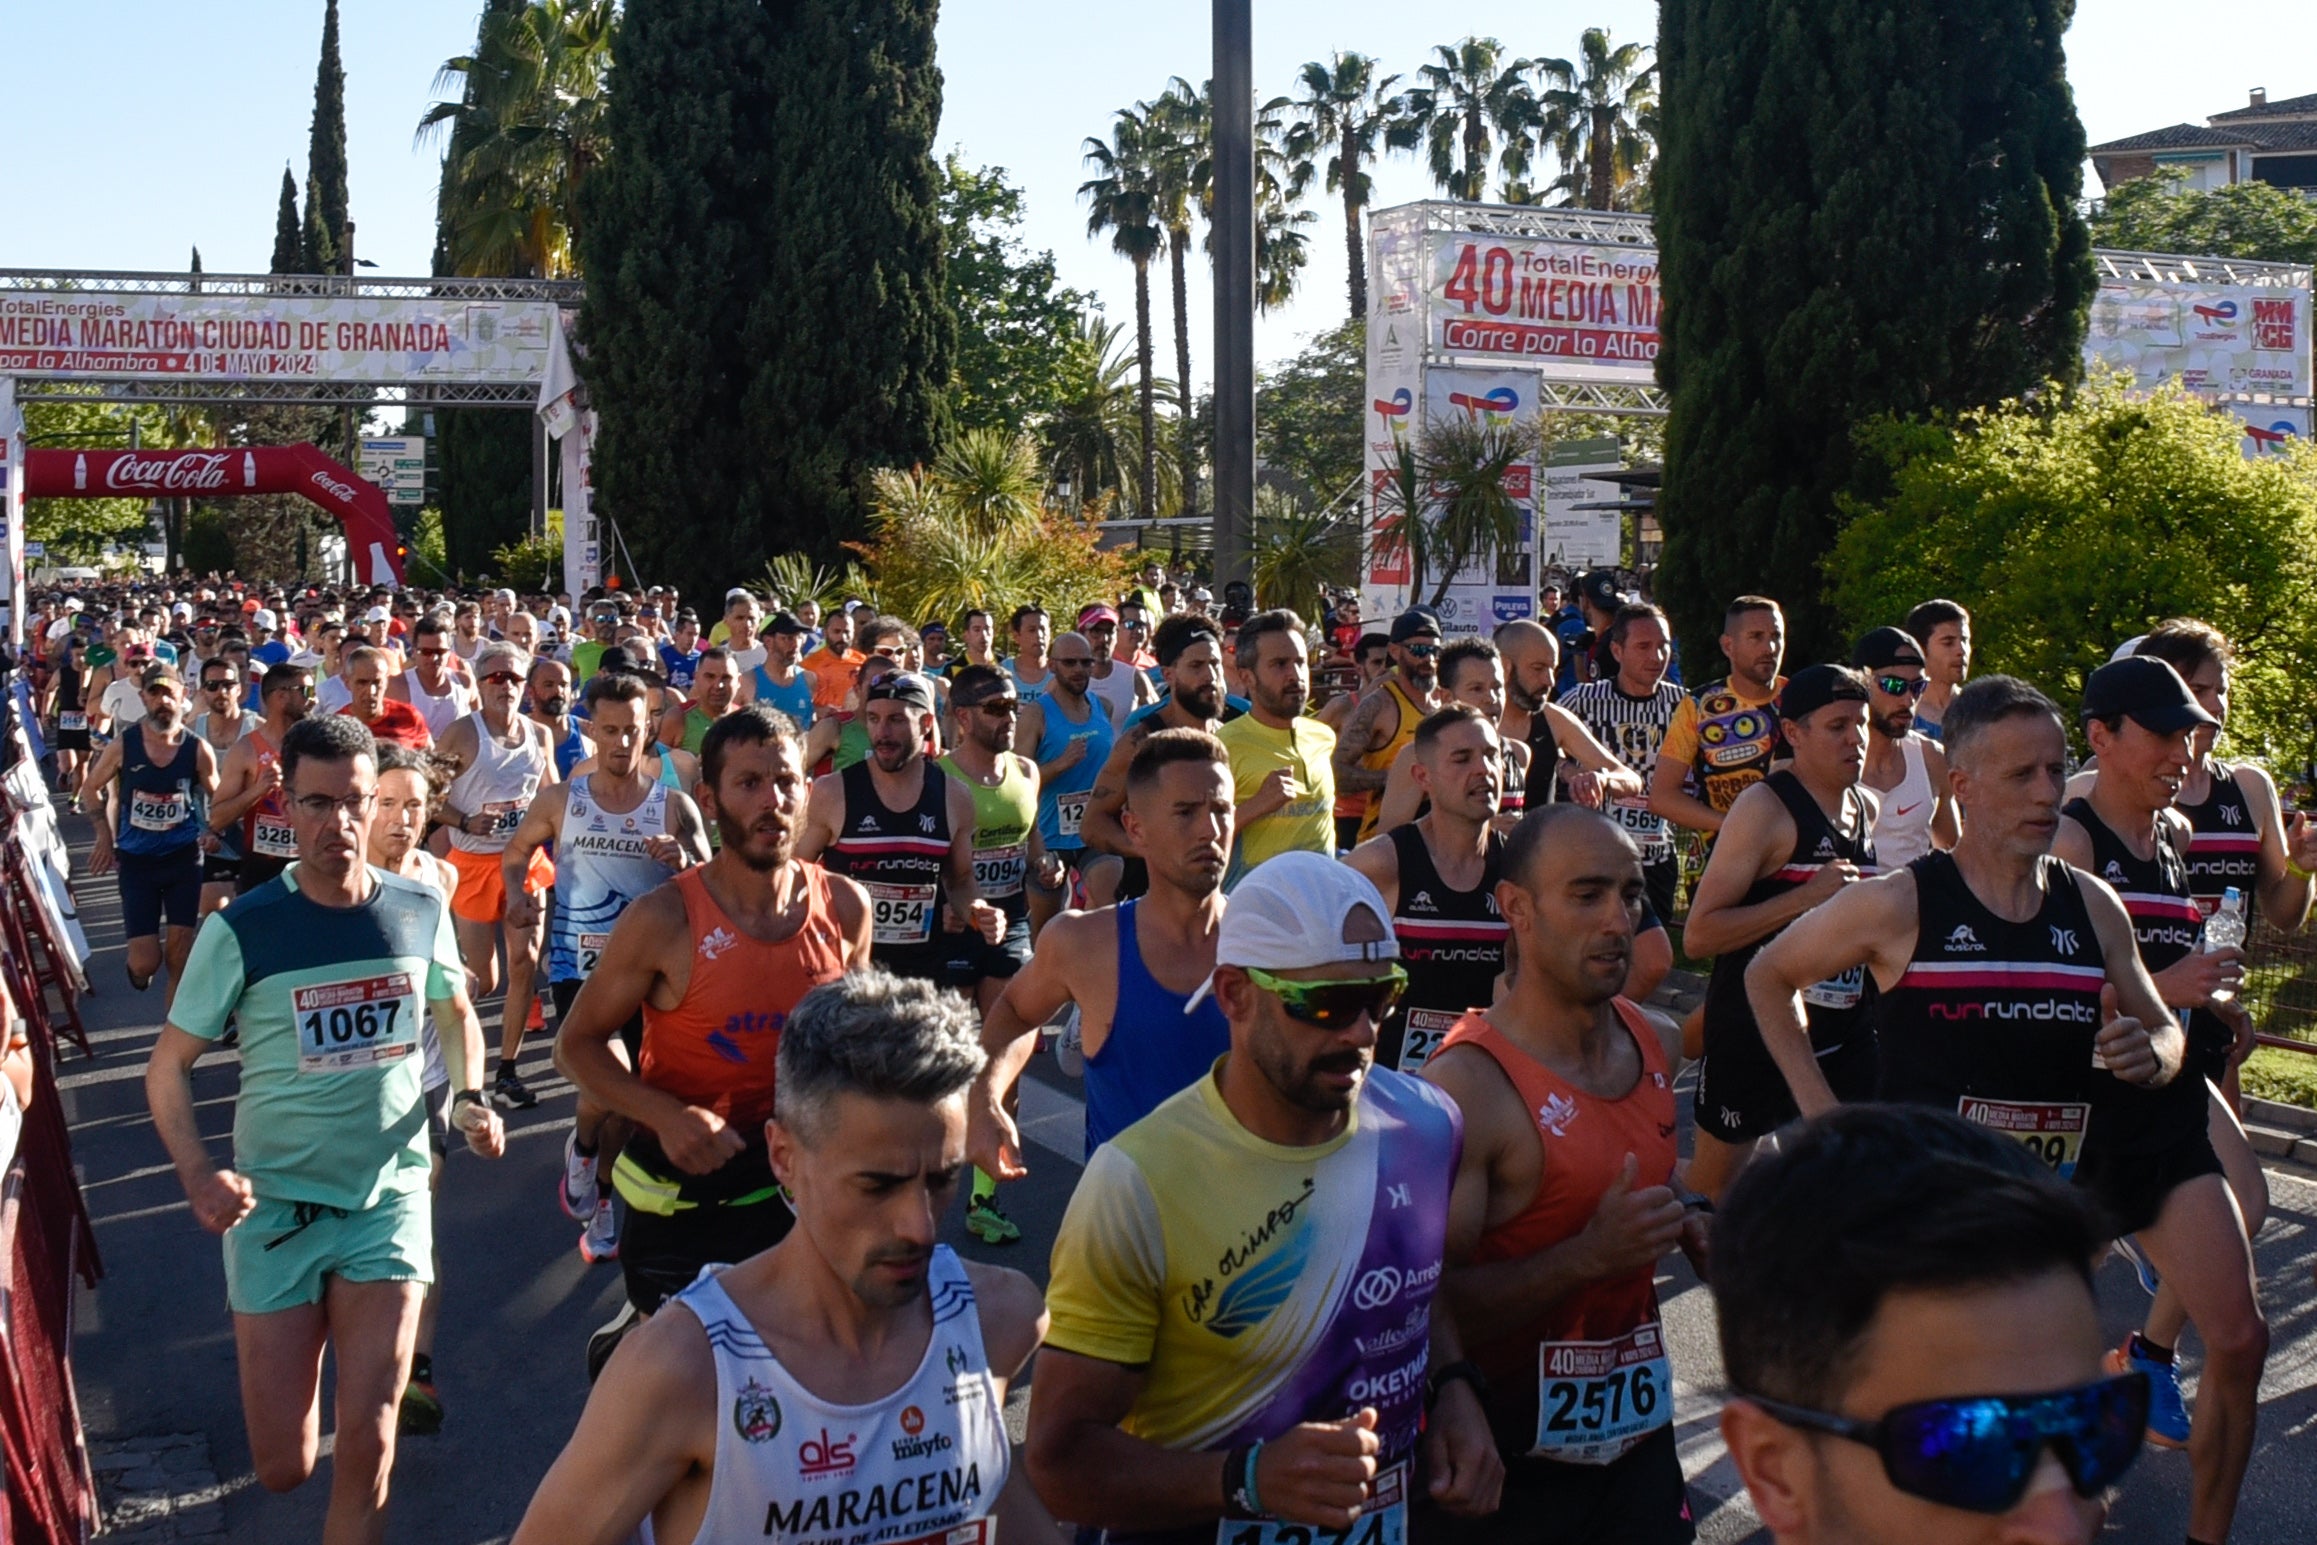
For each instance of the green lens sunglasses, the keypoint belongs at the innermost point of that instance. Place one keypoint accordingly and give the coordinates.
(1334, 1005)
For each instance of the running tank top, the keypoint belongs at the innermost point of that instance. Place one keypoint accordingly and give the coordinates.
(924, 1464)
(1996, 1019)
(2166, 925)
(1381, 760)
(1587, 1378)
(1451, 943)
(1903, 822)
(266, 831)
(898, 857)
(1841, 1010)
(570, 751)
(2225, 848)
(1063, 798)
(600, 867)
(1115, 690)
(1544, 758)
(72, 699)
(1154, 1050)
(163, 806)
(696, 723)
(499, 782)
(229, 841)
(1003, 816)
(795, 699)
(440, 713)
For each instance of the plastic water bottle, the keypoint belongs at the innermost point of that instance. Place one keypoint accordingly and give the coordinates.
(2225, 929)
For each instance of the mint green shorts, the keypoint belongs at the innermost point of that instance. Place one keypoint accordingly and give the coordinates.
(277, 1257)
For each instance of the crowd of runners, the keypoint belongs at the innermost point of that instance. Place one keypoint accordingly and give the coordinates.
(1381, 1134)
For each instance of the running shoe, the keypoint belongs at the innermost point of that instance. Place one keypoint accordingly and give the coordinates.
(2167, 1411)
(2129, 1248)
(601, 1241)
(421, 1413)
(579, 1190)
(509, 1090)
(607, 1338)
(987, 1221)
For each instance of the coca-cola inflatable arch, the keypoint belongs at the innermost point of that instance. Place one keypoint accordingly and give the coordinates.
(266, 469)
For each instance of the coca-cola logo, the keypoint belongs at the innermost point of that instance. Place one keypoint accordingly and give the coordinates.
(342, 492)
(195, 472)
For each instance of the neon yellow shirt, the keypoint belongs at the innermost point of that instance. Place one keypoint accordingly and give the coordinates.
(1306, 749)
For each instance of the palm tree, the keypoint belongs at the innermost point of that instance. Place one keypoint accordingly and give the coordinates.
(1599, 115)
(1091, 432)
(1473, 96)
(1443, 497)
(1184, 120)
(1124, 202)
(525, 131)
(1341, 113)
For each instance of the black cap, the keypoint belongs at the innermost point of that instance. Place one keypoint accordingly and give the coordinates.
(632, 658)
(1814, 686)
(1415, 622)
(1886, 647)
(1600, 590)
(782, 622)
(904, 687)
(2147, 691)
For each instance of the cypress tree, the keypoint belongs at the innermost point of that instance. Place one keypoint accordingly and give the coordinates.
(326, 156)
(288, 253)
(1863, 207)
(765, 319)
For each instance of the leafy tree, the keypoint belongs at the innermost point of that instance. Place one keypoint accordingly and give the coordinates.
(325, 224)
(2242, 220)
(1123, 200)
(938, 548)
(1299, 552)
(2074, 521)
(1599, 113)
(1309, 413)
(1444, 499)
(1862, 209)
(1016, 324)
(766, 319)
(78, 530)
(288, 256)
(1474, 106)
(1337, 121)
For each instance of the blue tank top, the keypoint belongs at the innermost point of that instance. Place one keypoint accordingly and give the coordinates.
(795, 699)
(163, 807)
(679, 666)
(1062, 798)
(570, 751)
(1154, 1050)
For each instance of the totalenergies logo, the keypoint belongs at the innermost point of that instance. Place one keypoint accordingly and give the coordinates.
(1400, 404)
(1502, 400)
(2218, 311)
(2272, 439)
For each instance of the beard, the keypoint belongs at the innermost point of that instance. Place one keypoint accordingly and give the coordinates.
(762, 845)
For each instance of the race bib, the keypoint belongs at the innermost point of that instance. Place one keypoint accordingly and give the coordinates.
(151, 812)
(1426, 1029)
(272, 836)
(69, 720)
(1597, 1399)
(1634, 815)
(505, 816)
(346, 1026)
(1383, 1521)
(591, 951)
(998, 872)
(2051, 1130)
(901, 914)
(1838, 992)
(1070, 811)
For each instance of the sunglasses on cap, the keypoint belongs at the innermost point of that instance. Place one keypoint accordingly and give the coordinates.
(1338, 1004)
(1900, 686)
(1978, 1453)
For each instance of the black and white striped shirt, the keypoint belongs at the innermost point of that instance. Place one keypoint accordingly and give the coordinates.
(1632, 727)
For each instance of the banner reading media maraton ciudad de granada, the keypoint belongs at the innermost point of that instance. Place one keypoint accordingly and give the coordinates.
(382, 339)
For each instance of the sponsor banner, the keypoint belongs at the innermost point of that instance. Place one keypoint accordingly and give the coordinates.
(2213, 338)
(2268, 426)
(387, 340)
(1574, 538)
(1587, 312)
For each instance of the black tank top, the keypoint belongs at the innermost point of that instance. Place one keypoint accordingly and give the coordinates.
(898, 856)
(1841, 1011)
(70, 685)
(1544, 757)
(1452, 943)
(2167, 925)
(1996, 1019)
(2224, 849)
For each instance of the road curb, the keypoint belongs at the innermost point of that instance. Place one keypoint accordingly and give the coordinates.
(2283, 1135)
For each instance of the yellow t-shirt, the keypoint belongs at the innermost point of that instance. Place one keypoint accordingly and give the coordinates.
(1726, 738)
(1307, 750)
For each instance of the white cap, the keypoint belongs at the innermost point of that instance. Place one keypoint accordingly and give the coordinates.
(1301, 909)
(2125, 649)
(181, 609)
(738, 593)
(264, 618)
(378, 614)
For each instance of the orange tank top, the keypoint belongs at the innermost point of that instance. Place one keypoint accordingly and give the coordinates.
(1381, 760)
(1606, 1333)
(716, 1048)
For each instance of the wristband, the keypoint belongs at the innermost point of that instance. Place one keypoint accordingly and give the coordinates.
(2296, 871)
(465, 1095)
(1240, 1499)
(1444, 1376)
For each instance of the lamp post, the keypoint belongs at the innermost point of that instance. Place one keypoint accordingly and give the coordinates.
(1234, 232)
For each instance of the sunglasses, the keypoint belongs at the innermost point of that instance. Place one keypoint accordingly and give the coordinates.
(1001, 707)
(1074, 661)
(1422, 651)
(433, 654)
(222, 684)
(504, 676)
(1900, 686)
(1978, 1453)
(1334, 1005)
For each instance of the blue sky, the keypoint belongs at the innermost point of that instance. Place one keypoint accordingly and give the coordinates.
(137, 129)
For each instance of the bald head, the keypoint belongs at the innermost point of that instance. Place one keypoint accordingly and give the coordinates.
(1072, 661)
(1532, 656)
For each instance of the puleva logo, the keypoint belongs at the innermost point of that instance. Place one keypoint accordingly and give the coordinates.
(1512, 608)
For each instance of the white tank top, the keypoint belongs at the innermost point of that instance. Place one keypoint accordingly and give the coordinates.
(500, 782)
(440, 713)
(1117, 690)
(601, 868)
(1902, 830)
(925, 1463)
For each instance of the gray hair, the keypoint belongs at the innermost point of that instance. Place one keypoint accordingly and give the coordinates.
(1985, 703)
(876, 1034)
(499, 650)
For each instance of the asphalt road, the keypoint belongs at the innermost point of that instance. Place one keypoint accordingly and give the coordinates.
(154, 1352)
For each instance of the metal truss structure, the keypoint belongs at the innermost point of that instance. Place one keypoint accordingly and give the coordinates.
(1609, 228)
(2173, 268)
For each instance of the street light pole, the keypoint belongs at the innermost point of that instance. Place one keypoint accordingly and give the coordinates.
(1234, 233)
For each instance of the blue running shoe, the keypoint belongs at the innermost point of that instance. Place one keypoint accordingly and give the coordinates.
(2129, 1248)
(2167, 1412)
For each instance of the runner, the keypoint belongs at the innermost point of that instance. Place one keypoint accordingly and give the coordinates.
(714, 694)
(1551, 732)
(249, 781)
(68, 712)
(903, 829)
(1944, 630)
(616, 833)
(780, 682)
(859, 1322)
(1386, 717)
(714, 962)
(1069, 737)
(1118, 686)
(1129, 969)
(547, 702)
(439, 692)
(328, 1237)
(368, 670)
(1725, 737)
(153, 786)
(680, 651)
(1006, 851)
(1373, 657)
(219, 726)
(1028, 665)
(1190, 654)
(1567, 1195)
(1322, 1186)
(832, 666)
(1630, 712)
(1915, 806)
(1282, 767)
(976, 634)
(1790, 842)
(497, 760)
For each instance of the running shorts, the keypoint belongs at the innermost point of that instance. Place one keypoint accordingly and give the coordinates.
(481, 896)
(152, 887)
(973, 959)
(280, 1255)
(677, 1223)
(1741, 1095)
(438, 1120)
(2131, 1188)
(631, 1035)
(256, 870)
(220, 869)
(1639, 1499)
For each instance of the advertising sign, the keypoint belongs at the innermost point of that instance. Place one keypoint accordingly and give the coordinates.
(1574, 538)
(397, 466)
(1589, 311)
(389, 340)
(2214, 338)
(2268, 426)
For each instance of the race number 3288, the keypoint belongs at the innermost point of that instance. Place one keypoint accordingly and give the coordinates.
(344, 1026)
